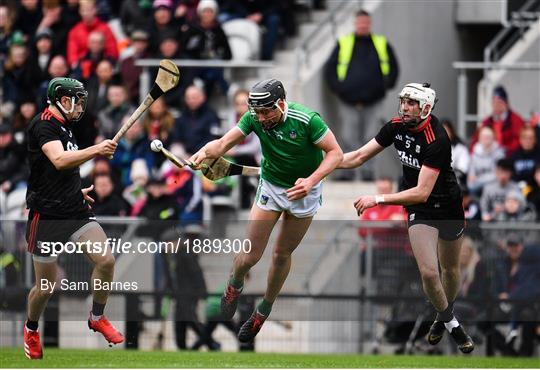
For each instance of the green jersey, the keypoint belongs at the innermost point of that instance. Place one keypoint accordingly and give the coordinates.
(289, 150)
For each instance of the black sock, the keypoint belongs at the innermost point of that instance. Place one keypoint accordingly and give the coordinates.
(31, 325)
(97, 308)
(446, 315)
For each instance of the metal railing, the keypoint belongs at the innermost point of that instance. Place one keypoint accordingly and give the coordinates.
(306, 44)
(513, 29)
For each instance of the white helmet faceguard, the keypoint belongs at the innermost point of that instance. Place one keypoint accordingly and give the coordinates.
(423, 94)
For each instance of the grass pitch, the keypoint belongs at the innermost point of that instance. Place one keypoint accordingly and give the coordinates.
(117, 358)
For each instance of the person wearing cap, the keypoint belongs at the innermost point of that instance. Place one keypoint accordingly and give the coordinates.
(163, 21)
(506, 123)
(42, 54)
(494, 193)
(518, 278)
(205, 39)
(516, 209)
(131, 74)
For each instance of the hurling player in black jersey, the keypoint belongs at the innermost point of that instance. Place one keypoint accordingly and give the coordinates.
(431, 197)
(59, 208)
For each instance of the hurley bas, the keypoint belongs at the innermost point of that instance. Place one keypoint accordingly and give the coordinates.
(97, 284)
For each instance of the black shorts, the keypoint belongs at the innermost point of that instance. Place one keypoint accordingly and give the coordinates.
(449, 220)
(46, 228)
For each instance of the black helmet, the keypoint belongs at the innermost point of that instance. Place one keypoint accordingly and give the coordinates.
(70, 87)
(266, 93)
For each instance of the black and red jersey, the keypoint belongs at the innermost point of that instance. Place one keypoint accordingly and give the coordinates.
(51, 191)
(426, 145)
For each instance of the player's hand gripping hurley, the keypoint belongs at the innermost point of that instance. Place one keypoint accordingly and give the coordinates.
(212, 168)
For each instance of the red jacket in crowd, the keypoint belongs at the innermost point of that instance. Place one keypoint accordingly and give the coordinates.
(506, 131)
(77, 43)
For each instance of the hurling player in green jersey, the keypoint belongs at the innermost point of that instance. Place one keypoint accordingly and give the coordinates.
(299, 150)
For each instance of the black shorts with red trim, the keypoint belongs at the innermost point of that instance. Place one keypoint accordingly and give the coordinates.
(46, 228)
(448, 219)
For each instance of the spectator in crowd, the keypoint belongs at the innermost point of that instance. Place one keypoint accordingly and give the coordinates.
(23, 76)
(533, 197)
(27, 111)
(85, 67)
(163, 22)
(473, 214)
(186, 10)
(135, 15)
(186, 186)
(29, 15)
(474, 274)
(263, 12)
(494, 194)
(361, 68)
(384, 237)
(109, 117)
(159, 208)
(158, 123)
(61, 19)
(518, 277)
(247, 152)
(99, 84)
(102, 166)
(486, 152)
(205, 39)
(42, 53)
(139, 176)
(526, 157)
(461, 159)
(198, 123)
(13, 169)
(131, 74)
(57, 68)
(132, 146)
(77, 43)
(516, 208)
(471, 207)
(189, 288)
(107, 202)
(506, 123)
(7, 20)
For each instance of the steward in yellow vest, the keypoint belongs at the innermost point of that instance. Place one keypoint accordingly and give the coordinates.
(362, 66)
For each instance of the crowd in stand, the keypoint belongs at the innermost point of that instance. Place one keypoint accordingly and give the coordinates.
(98, 43)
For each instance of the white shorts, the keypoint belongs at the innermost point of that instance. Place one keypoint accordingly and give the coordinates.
(274, 198)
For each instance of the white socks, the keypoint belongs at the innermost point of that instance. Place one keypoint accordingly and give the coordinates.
(451, 324)
(95, 318)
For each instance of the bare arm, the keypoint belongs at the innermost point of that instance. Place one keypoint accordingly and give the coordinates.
(333, 157)
(66, 159)
(216, 148)
(419, 194)
(362, 155)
